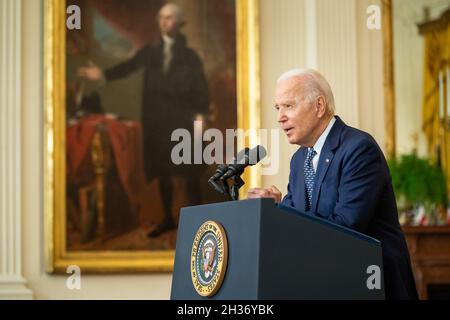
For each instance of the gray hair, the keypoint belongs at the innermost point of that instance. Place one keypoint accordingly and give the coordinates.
(315, 86)
(177, 11)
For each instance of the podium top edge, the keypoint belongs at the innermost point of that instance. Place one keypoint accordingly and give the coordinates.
(346, 230)
(267, 201)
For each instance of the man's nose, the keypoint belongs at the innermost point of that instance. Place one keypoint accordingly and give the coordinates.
(281, 116)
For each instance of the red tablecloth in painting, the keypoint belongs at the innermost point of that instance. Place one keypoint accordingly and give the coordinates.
(126, 142)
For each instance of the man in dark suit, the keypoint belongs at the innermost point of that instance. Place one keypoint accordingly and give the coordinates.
(339, 173)
(175, 93)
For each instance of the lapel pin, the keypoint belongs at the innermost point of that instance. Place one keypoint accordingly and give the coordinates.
(327, 160)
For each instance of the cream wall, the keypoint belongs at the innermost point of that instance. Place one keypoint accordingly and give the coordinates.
(370, 74)
(280, 52)
(293, 33)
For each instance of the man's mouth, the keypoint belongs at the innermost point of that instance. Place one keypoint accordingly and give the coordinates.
(288, 130)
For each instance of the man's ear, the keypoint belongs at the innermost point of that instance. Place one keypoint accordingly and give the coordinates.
(321, 108)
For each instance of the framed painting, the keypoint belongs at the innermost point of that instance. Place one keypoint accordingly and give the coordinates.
(417, 79)
(120, 79)
(415, 36)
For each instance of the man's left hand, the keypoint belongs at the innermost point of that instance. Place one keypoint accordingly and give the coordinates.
(270, 192)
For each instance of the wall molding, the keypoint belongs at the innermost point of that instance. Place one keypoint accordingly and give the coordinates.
(12, 283)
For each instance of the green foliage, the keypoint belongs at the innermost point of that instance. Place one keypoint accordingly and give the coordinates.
(416, 180)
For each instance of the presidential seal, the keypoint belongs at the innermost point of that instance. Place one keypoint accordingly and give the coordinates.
(209, 258)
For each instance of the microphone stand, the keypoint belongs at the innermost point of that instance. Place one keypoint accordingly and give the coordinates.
(238, 183)
(226, 187)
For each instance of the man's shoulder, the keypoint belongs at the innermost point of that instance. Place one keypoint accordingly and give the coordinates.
(191, 54)
(349, 138)
(358, 146)
(353, 138)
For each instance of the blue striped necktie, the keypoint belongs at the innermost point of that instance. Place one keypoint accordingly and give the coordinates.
(310, 176)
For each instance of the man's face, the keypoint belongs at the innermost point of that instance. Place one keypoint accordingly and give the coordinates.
(298, 118)
(168, 23)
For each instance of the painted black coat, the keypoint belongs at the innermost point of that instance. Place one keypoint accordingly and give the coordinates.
(169, 101)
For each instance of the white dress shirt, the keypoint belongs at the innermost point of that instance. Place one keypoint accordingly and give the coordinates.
(167, 52)
(320, 142)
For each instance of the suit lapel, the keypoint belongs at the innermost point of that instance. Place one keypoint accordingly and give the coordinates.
(326, 157)
(302, 190)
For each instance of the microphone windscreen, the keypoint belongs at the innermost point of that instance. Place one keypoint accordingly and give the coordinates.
(241, 156)
(256, 154)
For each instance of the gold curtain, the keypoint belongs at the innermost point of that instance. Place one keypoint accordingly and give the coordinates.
(436, 129)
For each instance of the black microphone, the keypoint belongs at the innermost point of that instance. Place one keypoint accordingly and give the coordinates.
(220, 171)
(248, 158)
(223, 168)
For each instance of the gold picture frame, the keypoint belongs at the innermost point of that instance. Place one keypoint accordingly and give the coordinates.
(388, 79)
(58, 258)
